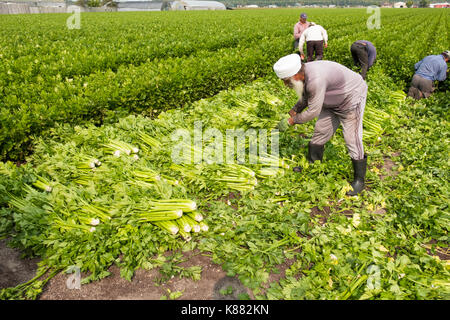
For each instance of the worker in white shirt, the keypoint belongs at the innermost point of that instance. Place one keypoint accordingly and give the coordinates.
(316, 39)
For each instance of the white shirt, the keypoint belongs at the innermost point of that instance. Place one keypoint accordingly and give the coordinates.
(313, 33)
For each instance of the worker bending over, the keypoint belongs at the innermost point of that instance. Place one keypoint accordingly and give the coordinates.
(429, 69)
(364, 54)
(334, 94)
(316, 39)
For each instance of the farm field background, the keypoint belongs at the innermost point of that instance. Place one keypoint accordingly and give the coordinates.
(138, 77)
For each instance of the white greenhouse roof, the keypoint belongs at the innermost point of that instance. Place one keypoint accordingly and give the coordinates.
(195, 3)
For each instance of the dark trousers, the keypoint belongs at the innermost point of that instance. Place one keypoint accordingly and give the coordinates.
(295, 44)
(314, 46)
(360, 57)
(420, 87)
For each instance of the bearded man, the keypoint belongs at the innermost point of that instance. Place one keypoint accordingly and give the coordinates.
(334, 94)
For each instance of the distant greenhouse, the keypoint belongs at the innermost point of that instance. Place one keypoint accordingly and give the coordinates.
(146, 5)
(196, 5)
(126, 5)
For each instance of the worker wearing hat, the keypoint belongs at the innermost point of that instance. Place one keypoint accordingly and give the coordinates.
(334, 94)
(299, 27)
(429, 69)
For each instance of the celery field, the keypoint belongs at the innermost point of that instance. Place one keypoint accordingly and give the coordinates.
(88, 178)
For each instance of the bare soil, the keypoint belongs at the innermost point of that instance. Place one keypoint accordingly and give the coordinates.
(13, 269)
(143, 286)
(388, 167)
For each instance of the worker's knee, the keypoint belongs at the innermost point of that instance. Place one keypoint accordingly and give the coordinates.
(321, 136)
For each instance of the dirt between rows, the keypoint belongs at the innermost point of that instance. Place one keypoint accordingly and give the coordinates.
(144, 286)
(15, 270)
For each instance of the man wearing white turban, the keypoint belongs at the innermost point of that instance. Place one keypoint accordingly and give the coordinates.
(334, 94)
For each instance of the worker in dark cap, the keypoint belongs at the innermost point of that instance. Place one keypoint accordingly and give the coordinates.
(429, 69)
(299, 27)
(364, 54)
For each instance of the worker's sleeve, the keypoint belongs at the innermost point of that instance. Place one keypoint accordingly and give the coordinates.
(324, 35)
(417, 65)
(442, 75)
(300, 105)
(315, 101)
(296, 32)
(302, 41)
(372, 55)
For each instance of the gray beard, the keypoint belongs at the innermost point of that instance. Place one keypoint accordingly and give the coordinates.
(298, 87)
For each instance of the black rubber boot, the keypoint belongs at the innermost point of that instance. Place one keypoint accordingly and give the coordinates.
(359, 170)
(315, 152)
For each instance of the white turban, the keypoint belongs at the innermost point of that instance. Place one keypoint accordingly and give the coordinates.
(287, 66)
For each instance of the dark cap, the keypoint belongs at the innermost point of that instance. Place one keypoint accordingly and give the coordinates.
(303, 16)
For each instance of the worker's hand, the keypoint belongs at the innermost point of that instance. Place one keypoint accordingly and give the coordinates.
(292, 113)
(302, 56)
(291, 121)
(326, 45)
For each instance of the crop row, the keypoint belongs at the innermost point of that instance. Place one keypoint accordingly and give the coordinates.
(108, 41)
(34, 97)
(52, 49)
(403, 48)
(130, 39)
(148, 89)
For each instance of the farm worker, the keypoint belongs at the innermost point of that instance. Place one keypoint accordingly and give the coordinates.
(364, 54)
(334, 94)
(316, 37)
(429, 69)
(299, 27)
